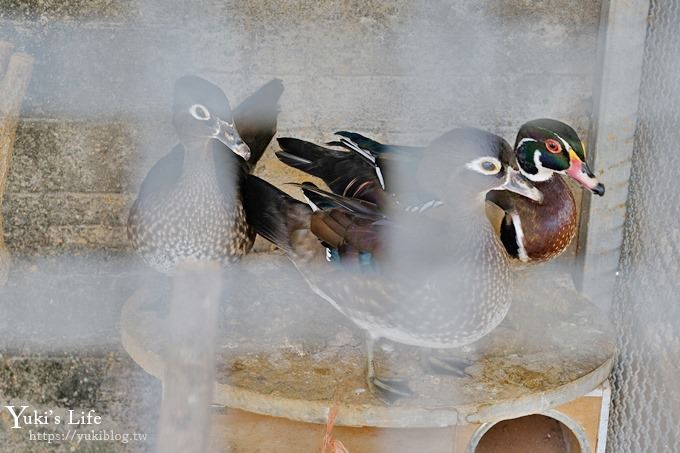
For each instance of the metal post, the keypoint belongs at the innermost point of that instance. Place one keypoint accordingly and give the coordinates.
(622, 38)
(189, 359)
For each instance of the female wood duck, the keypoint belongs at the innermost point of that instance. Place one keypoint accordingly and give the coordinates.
(392, 272)
(535, 232)
(190, 205)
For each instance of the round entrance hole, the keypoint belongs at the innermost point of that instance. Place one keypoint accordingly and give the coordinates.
(533, 433)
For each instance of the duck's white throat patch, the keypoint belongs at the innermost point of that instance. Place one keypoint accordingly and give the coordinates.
(543, 174)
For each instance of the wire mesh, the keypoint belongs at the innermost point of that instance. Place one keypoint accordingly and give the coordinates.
(646, 308)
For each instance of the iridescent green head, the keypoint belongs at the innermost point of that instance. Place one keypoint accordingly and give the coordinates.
(547, 146)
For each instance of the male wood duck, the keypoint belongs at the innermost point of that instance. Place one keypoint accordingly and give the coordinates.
(190, 204)
(391, 271)
(535, 232)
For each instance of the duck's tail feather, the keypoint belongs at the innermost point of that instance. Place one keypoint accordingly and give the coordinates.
(275, 215)
(344, 225)
(345, 173)
(322, 200)
(376, 149)
(362, 142)
(309, 157)
(256, 119)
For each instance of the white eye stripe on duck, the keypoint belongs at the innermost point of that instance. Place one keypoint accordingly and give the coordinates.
(485, 165)
(564, 143)
(524, 140)
(199, 112)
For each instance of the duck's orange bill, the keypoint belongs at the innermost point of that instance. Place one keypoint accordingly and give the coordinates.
(580, 172)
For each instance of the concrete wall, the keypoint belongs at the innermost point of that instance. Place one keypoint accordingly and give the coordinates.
(97, 113)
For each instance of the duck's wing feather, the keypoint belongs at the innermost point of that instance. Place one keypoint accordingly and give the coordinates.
(276, 216)
(395, 165)
(256, 118)
(376, 173)
(376, 148)
(348, 226)
(345, 173)
(321, 199)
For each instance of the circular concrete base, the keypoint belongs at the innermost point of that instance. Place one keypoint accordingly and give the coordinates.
(285, 352)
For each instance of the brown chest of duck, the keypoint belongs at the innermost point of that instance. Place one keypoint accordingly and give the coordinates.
(190, 205)
(544, 149)
(537, 232)
(394, 273)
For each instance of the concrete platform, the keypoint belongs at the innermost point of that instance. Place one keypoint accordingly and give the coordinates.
(284, 352)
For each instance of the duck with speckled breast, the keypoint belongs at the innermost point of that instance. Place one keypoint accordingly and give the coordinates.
(394, 271)
(191, 203)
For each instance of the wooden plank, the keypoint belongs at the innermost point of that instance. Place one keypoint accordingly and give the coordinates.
(235, 430)
(586, 412)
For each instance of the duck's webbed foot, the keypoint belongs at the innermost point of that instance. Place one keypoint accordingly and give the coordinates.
(387, 390)
(454, 366)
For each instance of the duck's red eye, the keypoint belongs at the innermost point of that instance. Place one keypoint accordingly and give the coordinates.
(553, 146)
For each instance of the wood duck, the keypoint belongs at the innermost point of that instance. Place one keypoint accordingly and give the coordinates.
(531, 232)
(535, 232)
(190, 204)
(392, 272)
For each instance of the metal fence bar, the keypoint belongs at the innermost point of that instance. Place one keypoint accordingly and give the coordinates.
(190, 359)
